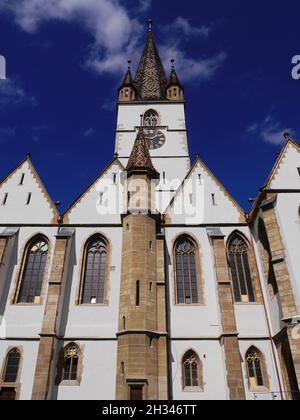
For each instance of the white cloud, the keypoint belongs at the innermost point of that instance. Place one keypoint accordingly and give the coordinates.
(270, 130)
(182, 25)
(13, 94)
(144, 5)
(117, 33)
(89, 132)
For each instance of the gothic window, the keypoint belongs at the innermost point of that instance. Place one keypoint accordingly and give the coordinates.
(256, 369)
(186, 271)
(191, 370)
(12, 366)
(95, 271)
(71, 359)
(240, 269)
(33, 271)
(151, 118)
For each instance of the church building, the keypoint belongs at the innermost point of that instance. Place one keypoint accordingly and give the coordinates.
(154, 284)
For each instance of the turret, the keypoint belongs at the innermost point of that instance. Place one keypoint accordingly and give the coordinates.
(174, 89)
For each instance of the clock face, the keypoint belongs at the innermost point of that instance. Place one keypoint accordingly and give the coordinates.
(155, 139)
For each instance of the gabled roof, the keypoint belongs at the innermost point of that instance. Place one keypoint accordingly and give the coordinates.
(274, 171)
(225, 191)
(150, 79)
(78, 199)
(279, 160)
(38, 180)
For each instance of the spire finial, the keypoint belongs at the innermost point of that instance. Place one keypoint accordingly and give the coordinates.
(286, 136)
(150, 22)
(129, 64)
(141, 120)
(172, 63)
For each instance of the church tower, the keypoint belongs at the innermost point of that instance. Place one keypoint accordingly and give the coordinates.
(161, 102)
(142, 350)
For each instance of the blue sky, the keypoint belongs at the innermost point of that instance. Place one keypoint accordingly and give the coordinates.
(66, 58)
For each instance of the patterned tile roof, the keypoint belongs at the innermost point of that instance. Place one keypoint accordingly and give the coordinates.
(150, 79)
(140, 158)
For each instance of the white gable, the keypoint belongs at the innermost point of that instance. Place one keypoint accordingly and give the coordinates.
(23, 199)
(102, 202)
(286, 175)
(202, 199)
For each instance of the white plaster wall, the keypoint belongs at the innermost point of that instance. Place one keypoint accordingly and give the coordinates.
(25, 320)
(98, 376)
(173, 157)
(265, 348)
(194, 321)
(16, 210)
(287, 212)
(202, 209)
(287, 175)
(89, 209)
(27, 366)
(214, 371)
(93, 320)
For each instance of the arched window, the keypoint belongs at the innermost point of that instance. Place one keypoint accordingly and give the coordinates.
(33, 271)
(71, 359)
(186, 272)
(240, 269)
(151, 118)
(95, 271)
(12, 366)
(256, 369)
(191, 370)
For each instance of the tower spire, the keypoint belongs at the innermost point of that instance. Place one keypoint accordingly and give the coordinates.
(127, 91)
(140, 159)
(174, 89)
(150, 79)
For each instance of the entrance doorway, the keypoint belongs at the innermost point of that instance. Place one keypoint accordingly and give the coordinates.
(7, 394)
(136, 392)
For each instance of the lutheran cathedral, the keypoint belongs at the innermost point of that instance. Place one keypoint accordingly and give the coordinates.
(154, 284)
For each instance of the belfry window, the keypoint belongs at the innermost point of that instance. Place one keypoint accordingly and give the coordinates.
(240, 270)
(94, 271)
(12, 366)
(150, 118)
(185, 271)
(33, 271)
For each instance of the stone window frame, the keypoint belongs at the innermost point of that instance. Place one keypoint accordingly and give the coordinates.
(199, 272)
(200, 387)
(59, 381)
(18, 281)
(264, 371)
(17, 384)
(252, 266)
(82, 271)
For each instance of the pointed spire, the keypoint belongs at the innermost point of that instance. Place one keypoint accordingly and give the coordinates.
(140, 159)
(173, 79)
(150, 79)
(128, 80)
